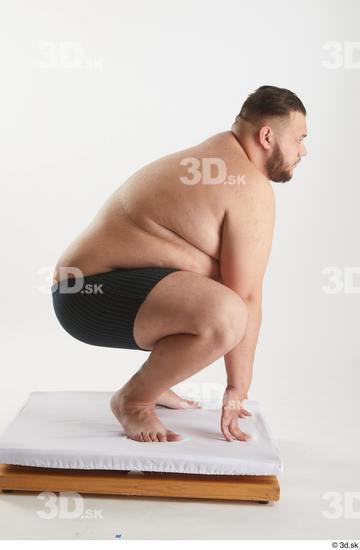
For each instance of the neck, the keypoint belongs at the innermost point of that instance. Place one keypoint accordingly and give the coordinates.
(249, 148)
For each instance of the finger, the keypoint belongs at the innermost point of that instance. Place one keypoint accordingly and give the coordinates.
(244, 412)
(238, 434)
(226, 433)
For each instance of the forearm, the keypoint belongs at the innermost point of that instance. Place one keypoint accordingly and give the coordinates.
(239, 361)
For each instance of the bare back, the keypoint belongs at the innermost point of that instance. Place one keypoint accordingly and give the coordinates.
(158, 219)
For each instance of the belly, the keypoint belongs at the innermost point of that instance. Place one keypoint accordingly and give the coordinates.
(105, 247)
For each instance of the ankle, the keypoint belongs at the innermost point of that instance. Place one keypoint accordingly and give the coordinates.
(132, 404)
(133, 397)
(137, 392)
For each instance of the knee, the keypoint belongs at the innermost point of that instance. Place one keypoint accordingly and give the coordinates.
(226, 320)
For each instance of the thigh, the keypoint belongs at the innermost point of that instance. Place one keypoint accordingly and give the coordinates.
(100, 309)
(183, 302)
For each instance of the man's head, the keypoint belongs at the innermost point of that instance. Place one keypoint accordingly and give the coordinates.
(272, 125)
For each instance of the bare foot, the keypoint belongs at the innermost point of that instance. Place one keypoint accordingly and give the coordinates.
(139, 420)
(172, 400)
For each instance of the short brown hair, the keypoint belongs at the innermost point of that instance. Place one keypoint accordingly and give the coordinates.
(269, 101)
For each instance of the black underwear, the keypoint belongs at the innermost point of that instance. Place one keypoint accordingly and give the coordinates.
(102, 310)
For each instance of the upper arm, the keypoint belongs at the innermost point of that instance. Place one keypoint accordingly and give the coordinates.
(246, 238)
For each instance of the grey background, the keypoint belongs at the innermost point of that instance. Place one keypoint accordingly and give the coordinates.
(149, 78)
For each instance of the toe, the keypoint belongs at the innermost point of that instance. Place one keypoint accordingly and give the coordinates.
(172, 436)
(146, 436)
(135, 436)
(153, 436)
(193, 404)
(186, 404)
(161, 436)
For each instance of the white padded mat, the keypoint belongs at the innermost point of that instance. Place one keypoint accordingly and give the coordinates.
(76, 429)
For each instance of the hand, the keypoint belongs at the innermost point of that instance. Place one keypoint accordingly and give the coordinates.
(232, 409)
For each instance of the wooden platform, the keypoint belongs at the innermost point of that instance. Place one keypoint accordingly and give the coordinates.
(151, 484)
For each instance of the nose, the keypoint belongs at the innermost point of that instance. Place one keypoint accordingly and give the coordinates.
(303, 150)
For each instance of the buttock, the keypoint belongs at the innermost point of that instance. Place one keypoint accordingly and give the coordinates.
(100, 309)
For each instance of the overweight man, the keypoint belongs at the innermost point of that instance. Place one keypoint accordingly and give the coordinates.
(174, 260)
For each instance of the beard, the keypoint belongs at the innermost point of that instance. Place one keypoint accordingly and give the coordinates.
(276, 168)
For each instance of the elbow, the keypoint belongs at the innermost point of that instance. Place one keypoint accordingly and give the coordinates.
(252, 298)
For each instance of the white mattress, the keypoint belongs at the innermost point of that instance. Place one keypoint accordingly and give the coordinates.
(76, 429)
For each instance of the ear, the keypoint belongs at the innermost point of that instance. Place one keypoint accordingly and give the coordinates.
(266, 137)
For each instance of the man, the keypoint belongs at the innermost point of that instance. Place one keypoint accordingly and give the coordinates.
(180, 250)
